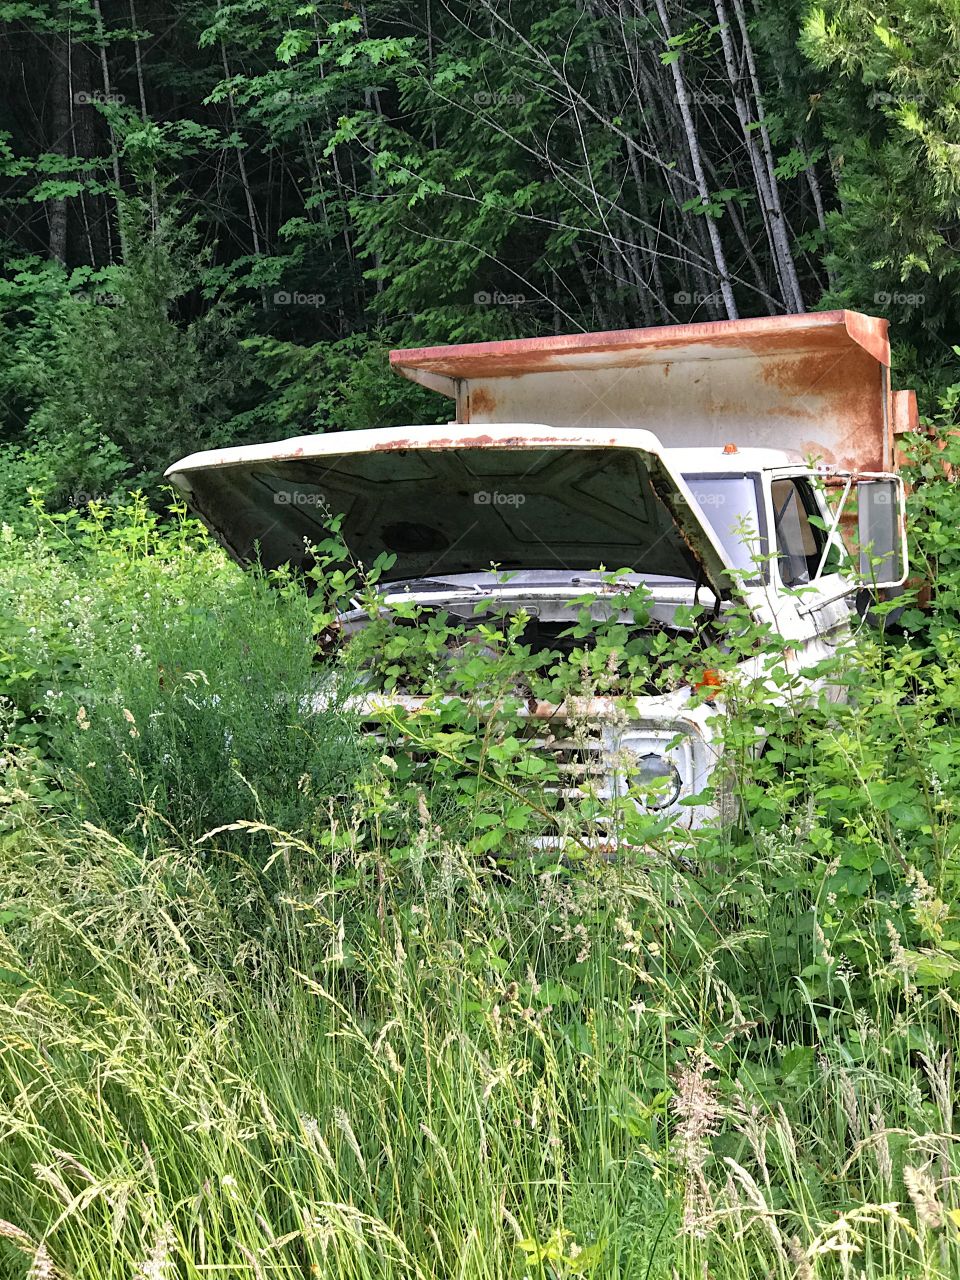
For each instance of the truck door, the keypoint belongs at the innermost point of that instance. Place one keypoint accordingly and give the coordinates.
(807, 564)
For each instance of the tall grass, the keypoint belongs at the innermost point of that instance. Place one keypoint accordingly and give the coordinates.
(431, 1074)
(159, 679)
(234, 1046)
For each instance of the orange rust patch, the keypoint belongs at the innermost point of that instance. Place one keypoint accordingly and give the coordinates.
(764, 336)
(461, 442)
(840, 387)
(496, 442)
(481, 401)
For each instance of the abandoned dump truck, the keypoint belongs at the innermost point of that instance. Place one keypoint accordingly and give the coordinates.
(697, 456)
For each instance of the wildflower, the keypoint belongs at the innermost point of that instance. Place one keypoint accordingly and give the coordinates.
(82, 719)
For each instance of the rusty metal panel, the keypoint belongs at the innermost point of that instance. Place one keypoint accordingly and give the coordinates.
(817, 385)
(905, 414)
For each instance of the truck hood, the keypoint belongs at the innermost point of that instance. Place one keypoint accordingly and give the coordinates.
(448, 501)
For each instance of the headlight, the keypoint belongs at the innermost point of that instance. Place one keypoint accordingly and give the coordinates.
(655, 777)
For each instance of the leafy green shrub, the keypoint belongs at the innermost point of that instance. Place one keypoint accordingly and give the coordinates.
(109, 375)
(161, 681)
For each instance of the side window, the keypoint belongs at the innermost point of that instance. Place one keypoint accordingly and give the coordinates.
(799, 543)
(729, 504)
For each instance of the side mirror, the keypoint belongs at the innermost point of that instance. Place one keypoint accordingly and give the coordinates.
(881, 531)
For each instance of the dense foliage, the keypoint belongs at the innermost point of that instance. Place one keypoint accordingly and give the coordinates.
(289, 992)
(215, 220)
(282, 996)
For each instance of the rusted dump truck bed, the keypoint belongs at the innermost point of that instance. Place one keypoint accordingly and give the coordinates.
(817, 385)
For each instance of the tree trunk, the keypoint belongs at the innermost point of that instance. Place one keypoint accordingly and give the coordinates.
(696, 160)
(154, 208)
(776, 210)
(61, 89)
(105, 68)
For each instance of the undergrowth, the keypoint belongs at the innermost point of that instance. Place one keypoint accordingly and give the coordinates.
(285, 992)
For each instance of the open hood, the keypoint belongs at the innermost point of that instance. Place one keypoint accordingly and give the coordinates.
(447, 501)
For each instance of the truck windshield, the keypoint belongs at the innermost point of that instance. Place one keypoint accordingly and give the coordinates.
(730, 505)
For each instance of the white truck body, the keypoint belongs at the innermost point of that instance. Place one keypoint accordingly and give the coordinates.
(694, 456)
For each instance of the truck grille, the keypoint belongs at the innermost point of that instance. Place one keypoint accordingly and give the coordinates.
(578, 751)
(583, 771)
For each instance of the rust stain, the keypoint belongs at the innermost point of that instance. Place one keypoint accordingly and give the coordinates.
(492, 442)
(840, 392)
(442, 442)
(905, 414)
(481, 401)
(762, 336)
